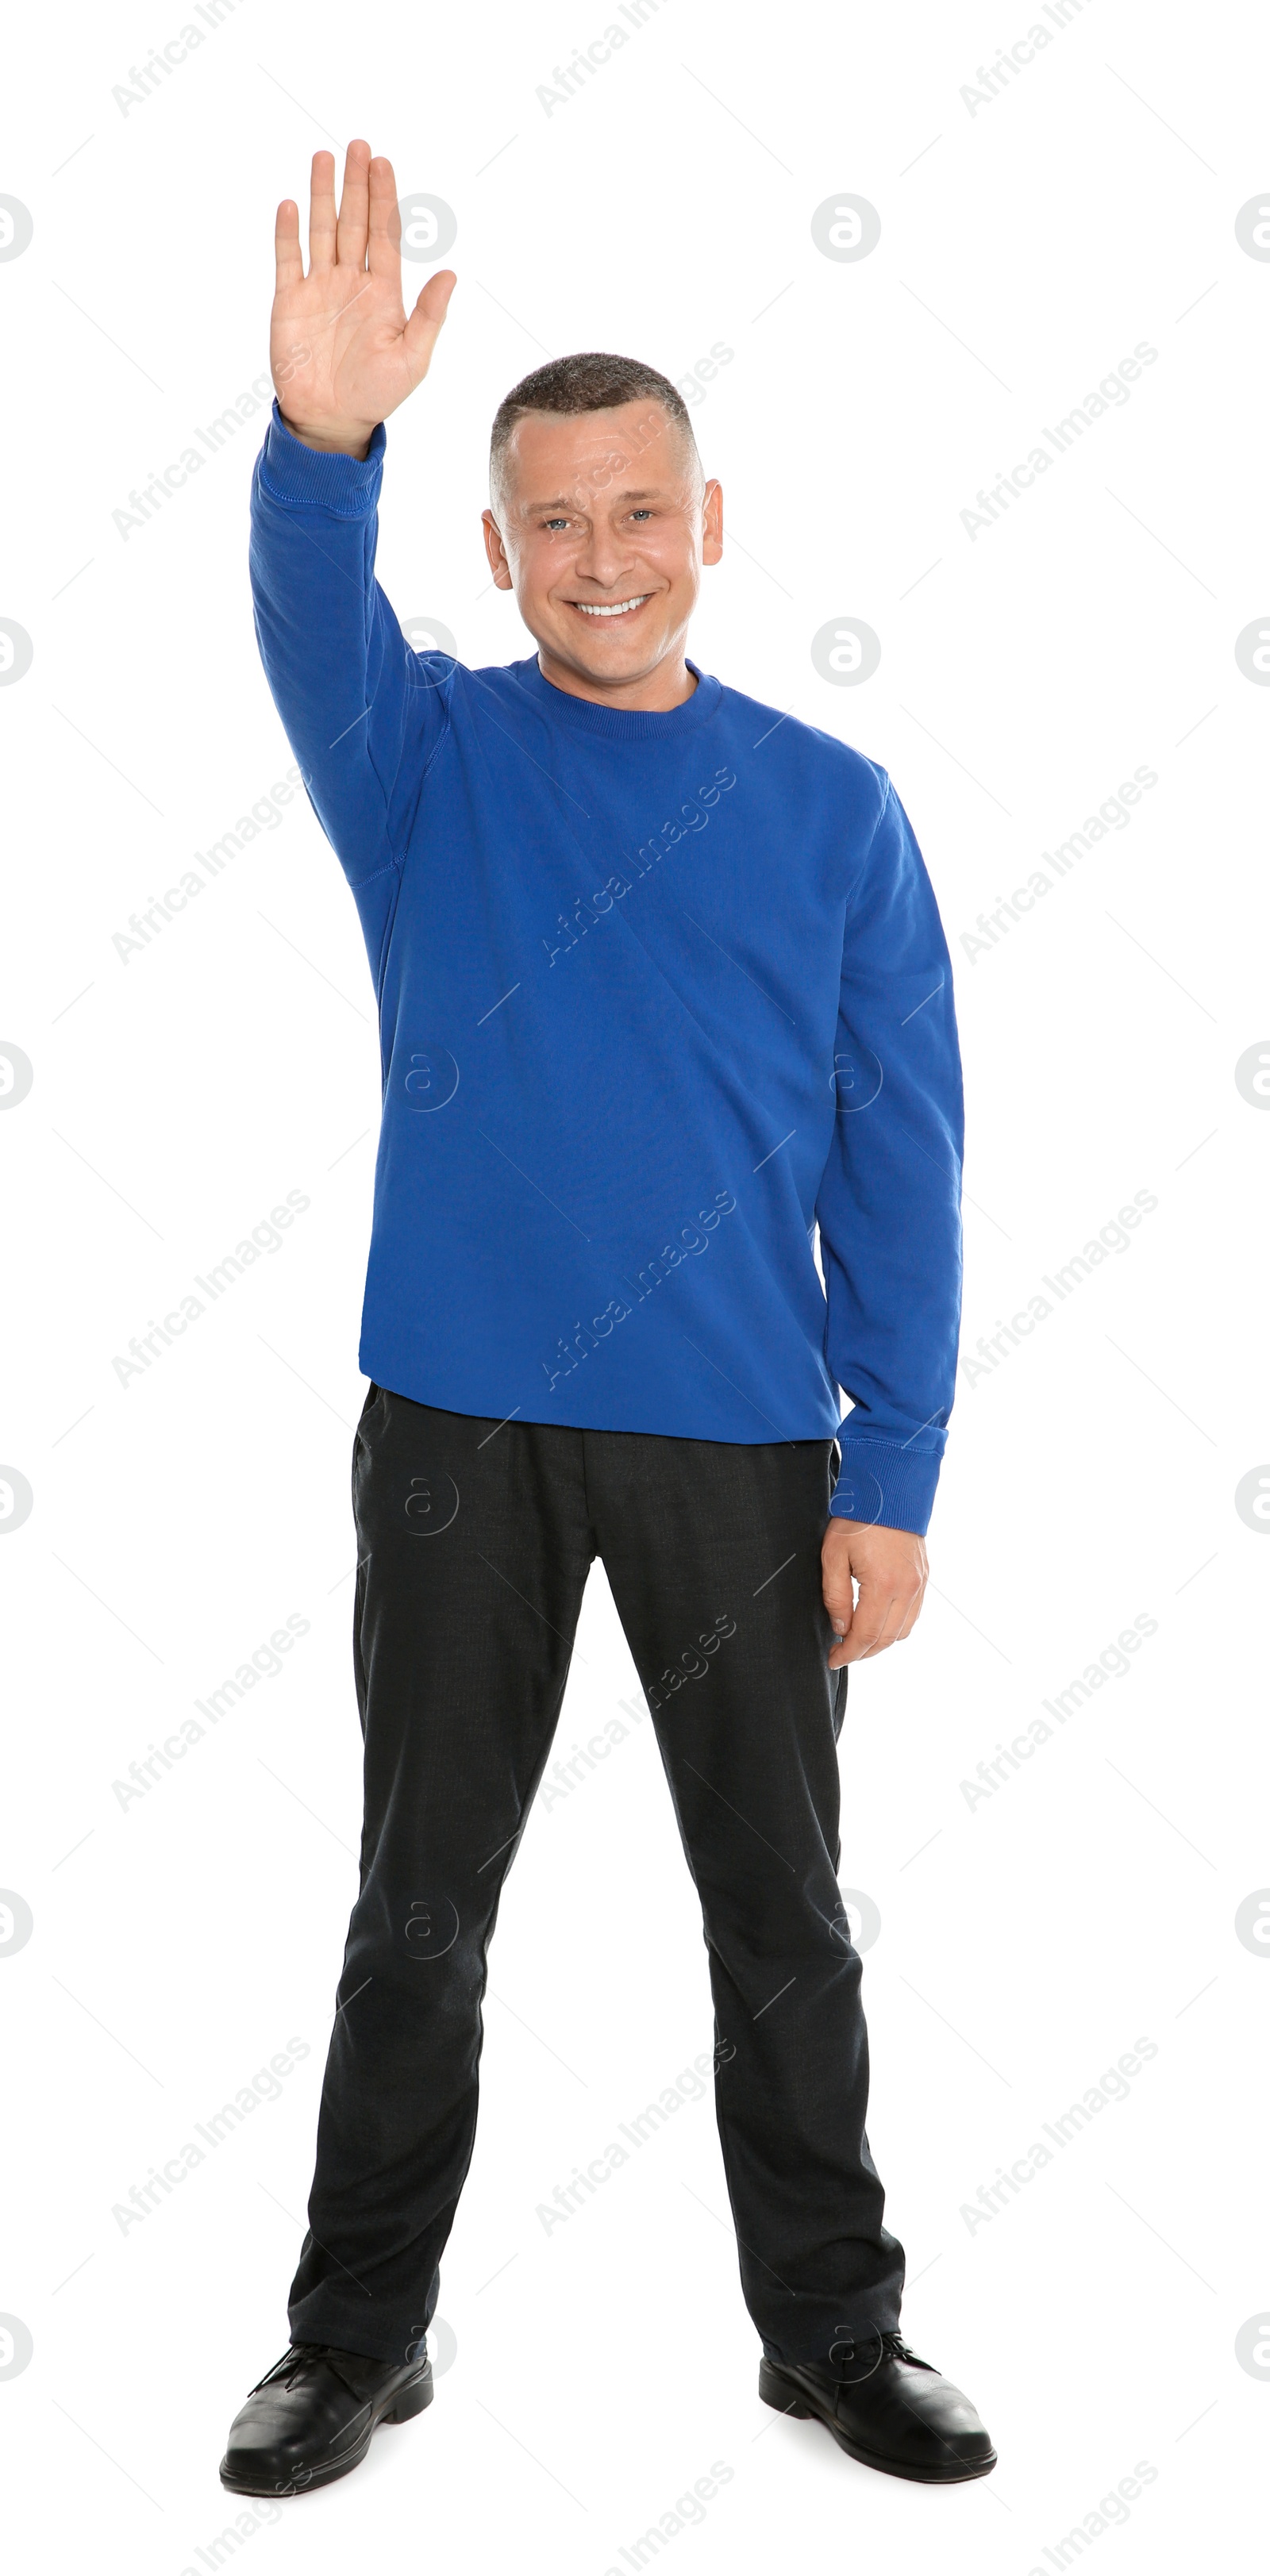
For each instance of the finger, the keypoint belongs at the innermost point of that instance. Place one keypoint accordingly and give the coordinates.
(860, 1648)
(901, 1611)
(350, 236)
(286, 245)
(839, 1600)
(425, 322)
(322, 212)
(914, 1611)
(385, 222)
(874, 1627)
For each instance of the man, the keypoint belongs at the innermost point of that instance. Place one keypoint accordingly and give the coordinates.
(662, 989)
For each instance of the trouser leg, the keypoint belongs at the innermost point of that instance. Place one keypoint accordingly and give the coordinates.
(473, 1550)
(713, 1555)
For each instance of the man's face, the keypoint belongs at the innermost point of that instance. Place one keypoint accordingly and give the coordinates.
(601, 527)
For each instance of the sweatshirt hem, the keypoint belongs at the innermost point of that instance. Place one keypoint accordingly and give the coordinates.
(386, 1372)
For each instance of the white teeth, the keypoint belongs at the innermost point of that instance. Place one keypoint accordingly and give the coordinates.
(618, 609)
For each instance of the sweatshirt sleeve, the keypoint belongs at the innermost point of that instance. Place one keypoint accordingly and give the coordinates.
(361, 711)
(889, 1201)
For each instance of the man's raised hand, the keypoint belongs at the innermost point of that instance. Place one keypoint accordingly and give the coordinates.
(342, 350)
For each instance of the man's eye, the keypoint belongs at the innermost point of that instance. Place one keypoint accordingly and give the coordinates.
(555, 523)
(641, 514)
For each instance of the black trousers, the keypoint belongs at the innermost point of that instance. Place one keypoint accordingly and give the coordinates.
(474, 1542)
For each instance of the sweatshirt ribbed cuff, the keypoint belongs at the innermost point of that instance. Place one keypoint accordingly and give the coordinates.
(889, 1485)
(319, 477)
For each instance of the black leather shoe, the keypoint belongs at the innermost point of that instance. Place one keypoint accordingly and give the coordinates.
(311, 2417)
(886, 2408)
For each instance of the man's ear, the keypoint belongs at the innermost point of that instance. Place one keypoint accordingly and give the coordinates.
(712, 523)
(495, 551)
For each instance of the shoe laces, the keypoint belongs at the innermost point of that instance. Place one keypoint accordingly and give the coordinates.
(856, 2357)
(299, 2358)
(294, 2359)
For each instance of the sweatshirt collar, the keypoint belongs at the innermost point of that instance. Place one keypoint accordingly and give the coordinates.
(620, 724)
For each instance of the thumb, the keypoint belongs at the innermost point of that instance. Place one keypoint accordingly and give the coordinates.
(837, 1590)
(425, 322)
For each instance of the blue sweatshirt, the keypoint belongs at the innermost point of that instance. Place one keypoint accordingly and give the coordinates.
(659, 995)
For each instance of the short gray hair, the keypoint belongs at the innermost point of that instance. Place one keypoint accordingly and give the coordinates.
(592, 380)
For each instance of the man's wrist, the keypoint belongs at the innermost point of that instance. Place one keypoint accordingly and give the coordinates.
(355, 441)
(885, 1529)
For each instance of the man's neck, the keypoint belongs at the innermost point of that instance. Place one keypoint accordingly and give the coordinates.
(655, 692)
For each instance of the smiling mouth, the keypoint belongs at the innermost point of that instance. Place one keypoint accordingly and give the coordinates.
(620, 607)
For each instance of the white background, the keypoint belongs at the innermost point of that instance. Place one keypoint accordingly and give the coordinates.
(1027, 1940)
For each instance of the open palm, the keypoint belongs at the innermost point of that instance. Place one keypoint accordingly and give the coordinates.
(342, 350)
